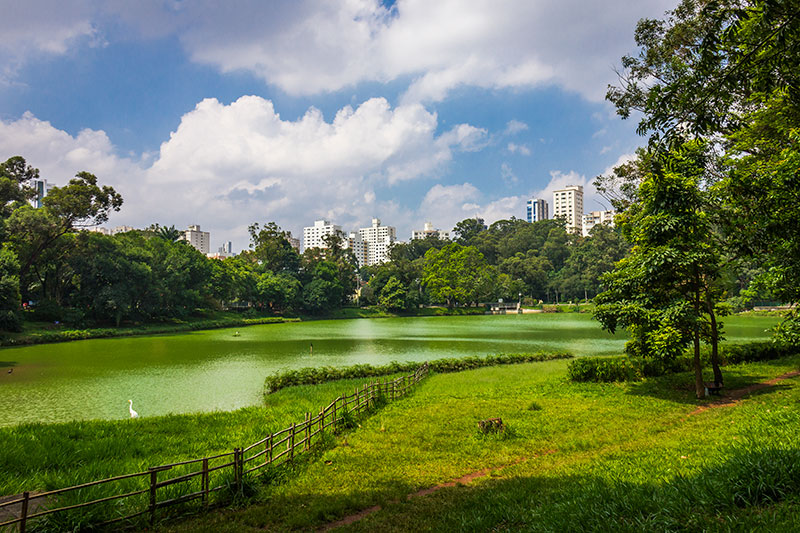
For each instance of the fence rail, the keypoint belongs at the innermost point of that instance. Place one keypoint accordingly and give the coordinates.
(277, 448)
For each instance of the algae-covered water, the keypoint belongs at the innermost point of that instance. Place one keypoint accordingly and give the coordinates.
(225, 369)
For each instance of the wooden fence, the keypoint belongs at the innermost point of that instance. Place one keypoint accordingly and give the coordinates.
(158, 487)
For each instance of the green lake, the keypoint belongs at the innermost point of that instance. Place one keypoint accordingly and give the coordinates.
(220, 370)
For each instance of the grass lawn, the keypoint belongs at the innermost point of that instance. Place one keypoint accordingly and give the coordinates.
(575, 457)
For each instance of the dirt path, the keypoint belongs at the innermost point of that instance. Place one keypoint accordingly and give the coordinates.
(463, 480)
(733, 397)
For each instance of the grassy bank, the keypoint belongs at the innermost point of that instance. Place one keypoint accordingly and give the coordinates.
(574, 457)
(48, 332)
(42, 333)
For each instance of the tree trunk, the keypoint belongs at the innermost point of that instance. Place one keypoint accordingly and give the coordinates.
(698, 368)
(714, 341)
(699, 387)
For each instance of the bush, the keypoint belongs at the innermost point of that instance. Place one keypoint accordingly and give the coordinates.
(601, 369)
(755, 351)
(316, 375)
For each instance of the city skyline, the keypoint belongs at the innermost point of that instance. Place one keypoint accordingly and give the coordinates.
(291, 112)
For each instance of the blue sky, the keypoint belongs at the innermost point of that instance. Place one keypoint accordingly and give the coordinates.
(224, 114)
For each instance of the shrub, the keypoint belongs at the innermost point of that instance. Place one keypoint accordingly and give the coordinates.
(316, 375)
(601, 369)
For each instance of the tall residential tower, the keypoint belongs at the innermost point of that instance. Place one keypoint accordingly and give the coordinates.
(568, 204)
(537, 210)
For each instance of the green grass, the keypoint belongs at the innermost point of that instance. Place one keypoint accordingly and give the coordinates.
(50, 456)
(375, 312)
(42, 333)
(586, 457)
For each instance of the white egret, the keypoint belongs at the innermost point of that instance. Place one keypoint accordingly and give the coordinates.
(134, 414)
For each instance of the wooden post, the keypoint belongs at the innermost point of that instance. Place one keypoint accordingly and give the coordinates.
(308, 431)
(204, 482)
(153, 482)
(271, 441)
(357, 398)
(335, 420)
(322, 424)
(237, 459)
(290, 442)
(26, 496)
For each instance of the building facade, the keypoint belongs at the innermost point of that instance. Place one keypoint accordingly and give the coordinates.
(429, 231)
(538, 210)
(42, 189)
(199, 240)
(313, 236)
(568, 204)
(379, 240)
(593, 218)
(359, 248)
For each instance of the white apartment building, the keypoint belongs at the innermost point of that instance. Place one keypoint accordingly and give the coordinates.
(358, 246)
(568, 204)
(122, 229)
(538, 210)
(597, 217)
(378, 240)
(295, 243)
(429, 231)
(42, 189)
(313, 235)
(199, 240)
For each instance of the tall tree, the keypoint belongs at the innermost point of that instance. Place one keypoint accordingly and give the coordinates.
(663, 291)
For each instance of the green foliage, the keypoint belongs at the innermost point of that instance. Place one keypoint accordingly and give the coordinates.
(457, 274)
(393, 296)
(316, 375)
(10, 317)
(627, 368)
(601, 369)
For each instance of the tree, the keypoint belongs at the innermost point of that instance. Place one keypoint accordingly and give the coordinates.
(10, 319)
(80, 203)
(393, 295)
(729, 71)
(271, 247)
(663, 292)
(469, 228)
(456, 274)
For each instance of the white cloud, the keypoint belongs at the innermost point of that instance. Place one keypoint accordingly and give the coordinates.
(310, 47)
(515, 126)
(518, 149)
(226, 166)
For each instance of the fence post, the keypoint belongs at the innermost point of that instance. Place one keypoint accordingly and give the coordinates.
(334, 413)
(271, 441)
(24, 515)
(204, 482)
(291, 444)
(308, 431)
(237, 473)
(153, 483)
(355, 392)
(322, 424)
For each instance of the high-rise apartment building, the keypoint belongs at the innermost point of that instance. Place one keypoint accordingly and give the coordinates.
(313, 236)
(358, 246)
(430, 231)
(378, 239)
(597, 217)
(42, 189)
(199, 240)
(568, 204)
(537, 210)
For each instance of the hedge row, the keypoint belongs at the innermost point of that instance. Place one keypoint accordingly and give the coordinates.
(98, 333)
(316, 375)
(623, 368)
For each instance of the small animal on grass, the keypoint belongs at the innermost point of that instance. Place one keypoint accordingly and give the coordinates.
(134, 414)
(10, 370)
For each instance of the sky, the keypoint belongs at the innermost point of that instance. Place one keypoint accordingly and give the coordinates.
(224, 113)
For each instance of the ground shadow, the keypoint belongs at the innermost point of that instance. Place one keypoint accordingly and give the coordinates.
(8, 364)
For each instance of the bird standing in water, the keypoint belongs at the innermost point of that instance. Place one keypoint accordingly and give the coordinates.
(134, 414)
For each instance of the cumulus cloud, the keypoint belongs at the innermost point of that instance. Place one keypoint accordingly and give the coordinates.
(241, 163)
(310, 47)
